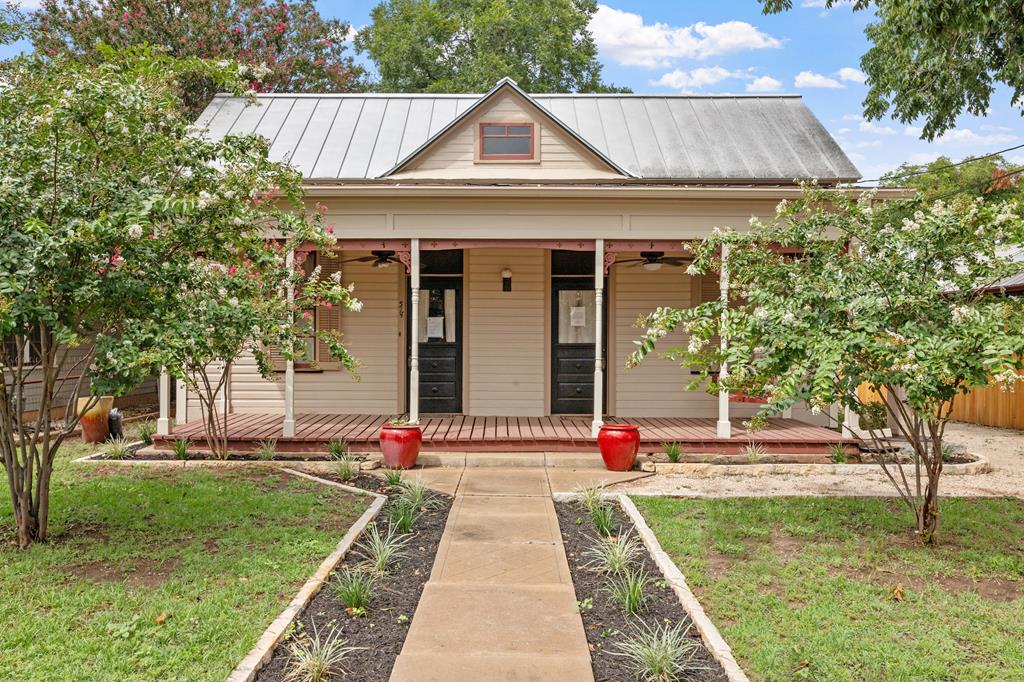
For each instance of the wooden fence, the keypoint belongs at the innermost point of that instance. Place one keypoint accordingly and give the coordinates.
(991, 406)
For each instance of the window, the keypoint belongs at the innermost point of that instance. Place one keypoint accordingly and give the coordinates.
(29, 352)
(506, 142)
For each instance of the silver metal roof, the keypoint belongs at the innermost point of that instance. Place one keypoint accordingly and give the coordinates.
(653, 137)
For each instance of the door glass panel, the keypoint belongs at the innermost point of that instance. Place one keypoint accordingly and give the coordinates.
(577, 316)
(437, 316)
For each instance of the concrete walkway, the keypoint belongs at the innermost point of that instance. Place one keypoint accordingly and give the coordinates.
(500, 603)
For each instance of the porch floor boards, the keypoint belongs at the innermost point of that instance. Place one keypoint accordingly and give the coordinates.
(448, 433)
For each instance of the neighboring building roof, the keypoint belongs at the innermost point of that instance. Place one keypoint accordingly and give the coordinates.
(693, 138)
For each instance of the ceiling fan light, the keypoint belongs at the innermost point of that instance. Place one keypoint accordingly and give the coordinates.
(652, 266)
(382, 263)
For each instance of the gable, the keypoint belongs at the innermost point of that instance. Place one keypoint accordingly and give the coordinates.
(456, 155)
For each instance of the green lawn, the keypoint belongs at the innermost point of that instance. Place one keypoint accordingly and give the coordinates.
(159, 573)
(803, 588)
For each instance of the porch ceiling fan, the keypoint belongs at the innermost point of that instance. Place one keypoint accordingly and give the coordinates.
(653, 260)
(380, 259)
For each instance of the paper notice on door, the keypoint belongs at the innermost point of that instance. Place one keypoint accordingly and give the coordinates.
(577, 316)
(435, 327)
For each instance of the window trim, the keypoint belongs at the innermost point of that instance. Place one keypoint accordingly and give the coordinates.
(532, 156)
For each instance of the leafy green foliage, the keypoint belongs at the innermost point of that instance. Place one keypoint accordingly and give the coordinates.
(603, 517)
(891, 296)
(117, 448)
(146, 431)
(629, 588)
(354, 589)
(837, 452)
(613, 555)
(381, 552)
(992, 178)
(672, 451)
(402, 514)
(181, 447)
(316, 657)
(338, 449)
(393, 477)
(590, 496)
(661, 653)
(266, 450)
(346, 468)
(302, 51)
(469, 45)
(935, 59)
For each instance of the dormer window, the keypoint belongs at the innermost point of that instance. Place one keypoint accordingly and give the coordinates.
(507, 142)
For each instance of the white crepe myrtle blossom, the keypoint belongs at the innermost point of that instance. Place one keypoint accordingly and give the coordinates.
(904, 311)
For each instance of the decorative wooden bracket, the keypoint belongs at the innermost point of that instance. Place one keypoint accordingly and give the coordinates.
(609, 260)
(406, 258)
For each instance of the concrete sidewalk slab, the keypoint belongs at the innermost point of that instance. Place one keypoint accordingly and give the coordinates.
(492, 668)
(463, 618)
(496, 481)
(568, 480)
(486, 563)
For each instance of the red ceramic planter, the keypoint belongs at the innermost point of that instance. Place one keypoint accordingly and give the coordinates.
(400, 445)
(619, 444)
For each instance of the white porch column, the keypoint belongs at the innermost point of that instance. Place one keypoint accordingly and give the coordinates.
(414, 332)
(595, 425)
(180, 402)
(724, 426)
(163, 423)
(288, 429)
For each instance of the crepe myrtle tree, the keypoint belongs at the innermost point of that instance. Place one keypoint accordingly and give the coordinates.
(833, 293)
(108, 195)
(227, 309)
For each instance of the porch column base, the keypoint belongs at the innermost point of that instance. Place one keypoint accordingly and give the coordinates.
(723, 429)
(180, 402)
(163, 423)
(288, 429)
(595, 427)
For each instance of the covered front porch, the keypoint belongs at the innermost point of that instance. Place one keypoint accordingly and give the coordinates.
(464, 433)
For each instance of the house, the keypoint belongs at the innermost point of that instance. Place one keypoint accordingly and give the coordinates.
(503, 246)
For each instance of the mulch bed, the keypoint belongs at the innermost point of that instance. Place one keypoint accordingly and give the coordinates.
(606, 622)
(380, 633)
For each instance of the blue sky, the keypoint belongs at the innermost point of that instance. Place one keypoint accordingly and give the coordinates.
(730, 47)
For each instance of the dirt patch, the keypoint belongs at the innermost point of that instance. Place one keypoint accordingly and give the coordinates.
(140, 573)
(786, 547)
(605, 622)
(381, 632)
(992, 589)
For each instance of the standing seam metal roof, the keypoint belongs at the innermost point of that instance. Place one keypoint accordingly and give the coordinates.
(653, 137)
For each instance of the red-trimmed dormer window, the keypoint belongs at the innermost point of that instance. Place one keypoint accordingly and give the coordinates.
(507, 142)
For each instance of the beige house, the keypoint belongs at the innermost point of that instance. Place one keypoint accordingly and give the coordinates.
(504, 245)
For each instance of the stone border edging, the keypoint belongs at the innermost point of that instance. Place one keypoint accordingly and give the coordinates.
(706, 470)
(713, 639)
(710, 635)
(262, 652)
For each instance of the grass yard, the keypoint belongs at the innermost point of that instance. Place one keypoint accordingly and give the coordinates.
(159, 573)
(837, 589)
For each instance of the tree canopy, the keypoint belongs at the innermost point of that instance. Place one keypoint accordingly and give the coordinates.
(936, 59)
(468, 45)
(992, 178)
(303, 51)
(891, 296)
(114, 215)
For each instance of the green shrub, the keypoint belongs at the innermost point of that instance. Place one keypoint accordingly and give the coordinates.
(347, 469)
(402, 514)
(672, 451)
(754, 452)
(317, 658)
(393, 477)
(266, 450)
(146, 431)
(590, 496)
(381, 552)
(613, 555)
(603, 516)
(661, 653)
(354, 589)
(629, 589)
(117, 448)
(837, 452)
(338, 449)
(181, 447)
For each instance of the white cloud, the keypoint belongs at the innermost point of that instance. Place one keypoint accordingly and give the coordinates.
(624, 38)
(854, 156)
(912, 131)
(842, 131)
(872, 127)
(921, 158)
(764, 84)
(868, 144)
(695, 78)
(848, 73)
(989, 128)
(968, 136)
(809, 79)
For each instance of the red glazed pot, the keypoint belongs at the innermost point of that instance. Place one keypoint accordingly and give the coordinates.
(400, 445)
(619, 444)
(94, 422)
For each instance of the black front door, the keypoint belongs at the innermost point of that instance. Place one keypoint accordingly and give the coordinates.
(574, 328)
(440, 345)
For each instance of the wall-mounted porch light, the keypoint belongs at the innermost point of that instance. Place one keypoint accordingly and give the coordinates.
(506, 280)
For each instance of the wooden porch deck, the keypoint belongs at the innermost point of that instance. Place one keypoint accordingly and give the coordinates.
(459, 433)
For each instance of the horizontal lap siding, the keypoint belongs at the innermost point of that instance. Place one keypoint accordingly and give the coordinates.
(371, 335)
(505, 333)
